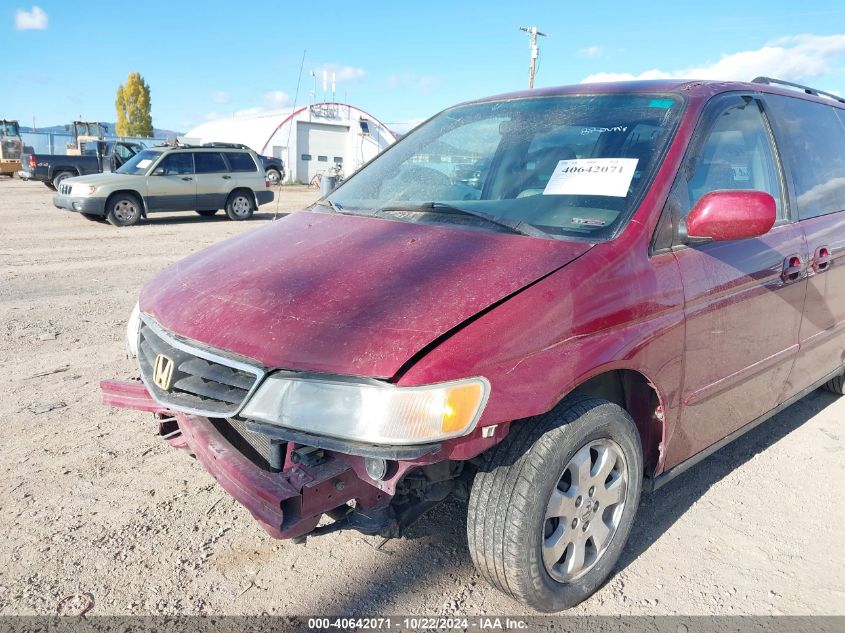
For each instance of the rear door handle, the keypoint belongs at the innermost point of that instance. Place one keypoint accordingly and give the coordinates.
(186, 178)
(821, 259)
(792, 269)
(227, 177)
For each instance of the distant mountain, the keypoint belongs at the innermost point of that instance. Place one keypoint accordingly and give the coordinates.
(61, 129)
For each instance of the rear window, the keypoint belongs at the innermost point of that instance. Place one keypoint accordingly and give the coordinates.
(812, 140)
(241, 161)
(209, 163)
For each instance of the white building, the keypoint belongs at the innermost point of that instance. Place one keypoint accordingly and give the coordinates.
(310, 139)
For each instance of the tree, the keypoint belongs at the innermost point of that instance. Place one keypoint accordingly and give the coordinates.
(133, 107)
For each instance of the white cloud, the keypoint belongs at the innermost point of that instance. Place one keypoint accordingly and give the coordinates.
(36, 19)
(342, 73)
(221, 97)
(591, 51)
(793, 58)
(276, 98)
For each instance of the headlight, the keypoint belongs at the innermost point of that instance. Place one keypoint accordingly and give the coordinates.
(133, 329)
(82, 190)
(372, 412)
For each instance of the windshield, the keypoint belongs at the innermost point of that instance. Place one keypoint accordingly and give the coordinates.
(89, 129)
(139, 163)
(9, 128)
(571, 166)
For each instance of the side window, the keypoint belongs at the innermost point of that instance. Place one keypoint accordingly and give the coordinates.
(177, 164)
(736, 154)
(241, 161)
(814, 150)
(209, 163)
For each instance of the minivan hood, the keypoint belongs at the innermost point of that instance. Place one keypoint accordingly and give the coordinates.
(344, 294)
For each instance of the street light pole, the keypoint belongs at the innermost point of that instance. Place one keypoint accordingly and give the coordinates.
(535, 51)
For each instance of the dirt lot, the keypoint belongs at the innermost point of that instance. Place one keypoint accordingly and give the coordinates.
(93, 503)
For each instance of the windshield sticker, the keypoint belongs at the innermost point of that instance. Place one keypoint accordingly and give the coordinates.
(600, 130)
(588, 222)
(663, 104)
(592, 177)
(144, 163)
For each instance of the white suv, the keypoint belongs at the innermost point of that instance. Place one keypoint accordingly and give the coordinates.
(180, 178)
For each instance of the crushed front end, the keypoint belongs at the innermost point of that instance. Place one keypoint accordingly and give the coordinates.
(288, 478)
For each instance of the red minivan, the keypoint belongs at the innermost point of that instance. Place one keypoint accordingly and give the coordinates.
(545, 302)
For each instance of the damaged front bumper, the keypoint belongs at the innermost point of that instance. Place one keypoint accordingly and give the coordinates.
(311, 481)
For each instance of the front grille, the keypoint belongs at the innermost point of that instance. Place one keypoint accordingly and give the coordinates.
(200, 381)
(65, 189)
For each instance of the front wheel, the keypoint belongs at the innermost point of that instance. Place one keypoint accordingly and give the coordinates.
(239, 206)
(836, 385)
(123, 209)
(552, 506)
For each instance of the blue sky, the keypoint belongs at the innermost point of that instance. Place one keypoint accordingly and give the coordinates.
(399, 61)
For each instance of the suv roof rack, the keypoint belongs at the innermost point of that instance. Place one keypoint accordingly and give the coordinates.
(807, 89)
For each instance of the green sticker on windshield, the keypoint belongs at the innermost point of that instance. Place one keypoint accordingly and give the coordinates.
(661, 103)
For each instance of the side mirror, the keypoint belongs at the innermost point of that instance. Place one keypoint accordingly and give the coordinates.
(731, 214)
(158, 171)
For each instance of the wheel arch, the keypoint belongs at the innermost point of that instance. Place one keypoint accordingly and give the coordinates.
(248, 191)
(135, 193)
(55, 171)
(639, 396)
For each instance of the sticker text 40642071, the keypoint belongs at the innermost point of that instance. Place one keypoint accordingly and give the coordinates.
(592, 177)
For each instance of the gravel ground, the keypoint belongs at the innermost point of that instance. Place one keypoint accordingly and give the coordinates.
(98, 513)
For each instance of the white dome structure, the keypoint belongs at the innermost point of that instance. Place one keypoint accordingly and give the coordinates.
(310, 140)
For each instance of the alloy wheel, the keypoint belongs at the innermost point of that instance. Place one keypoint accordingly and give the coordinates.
(584, 510)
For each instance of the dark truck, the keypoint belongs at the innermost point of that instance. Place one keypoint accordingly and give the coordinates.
(99, 156)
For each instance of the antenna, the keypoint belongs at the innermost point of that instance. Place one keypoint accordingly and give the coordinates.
(533, 32)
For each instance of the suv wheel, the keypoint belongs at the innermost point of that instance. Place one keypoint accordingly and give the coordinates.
(552, 505)
(123, 209)
(274, 176)
(62, 175)
(239, 206)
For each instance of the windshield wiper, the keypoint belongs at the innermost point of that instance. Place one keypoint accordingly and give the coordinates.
(515, 226)
(334, 206)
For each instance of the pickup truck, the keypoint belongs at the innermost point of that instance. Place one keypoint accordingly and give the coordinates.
(52, 169)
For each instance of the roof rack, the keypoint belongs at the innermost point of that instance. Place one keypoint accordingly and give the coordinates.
(807, 89)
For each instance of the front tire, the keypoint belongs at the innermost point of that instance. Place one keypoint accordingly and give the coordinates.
(123, 209)
(239, 206)
(836, 385)
(552, 505)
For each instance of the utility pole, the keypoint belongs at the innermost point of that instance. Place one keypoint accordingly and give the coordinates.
(535, 51)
